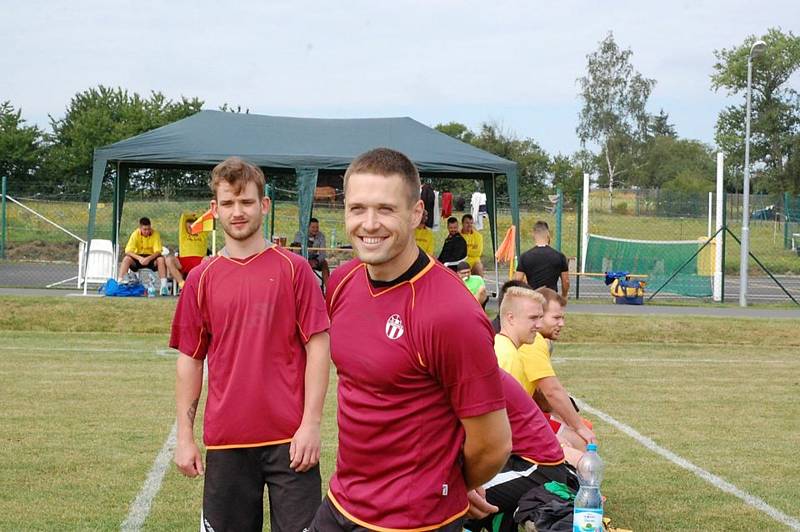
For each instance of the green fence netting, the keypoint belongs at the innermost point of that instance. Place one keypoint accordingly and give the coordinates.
(659, 260)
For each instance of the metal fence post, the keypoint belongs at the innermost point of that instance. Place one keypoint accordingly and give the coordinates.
(3, 220)
(579, 210)
(787, 210)
(559, 218)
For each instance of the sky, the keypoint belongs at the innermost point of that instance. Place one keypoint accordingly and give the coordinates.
(513, 63)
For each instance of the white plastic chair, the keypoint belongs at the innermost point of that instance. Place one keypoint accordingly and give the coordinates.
(100, 264)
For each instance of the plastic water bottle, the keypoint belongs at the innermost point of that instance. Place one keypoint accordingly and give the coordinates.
(150, 286)
(588, 513)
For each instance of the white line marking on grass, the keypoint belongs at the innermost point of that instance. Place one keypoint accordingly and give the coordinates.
(720, 483)
(159, 352)
(140, 508)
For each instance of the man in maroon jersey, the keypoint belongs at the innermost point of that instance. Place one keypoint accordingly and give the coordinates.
(256, 314)
(536, 458)
(422, 418)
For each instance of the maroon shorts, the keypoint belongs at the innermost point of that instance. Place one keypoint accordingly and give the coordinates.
(187, 263)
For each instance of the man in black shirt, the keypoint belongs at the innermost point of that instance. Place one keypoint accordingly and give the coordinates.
(543, 265)
(454, 249)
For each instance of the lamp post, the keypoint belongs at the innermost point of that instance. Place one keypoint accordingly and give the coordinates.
(756, 50)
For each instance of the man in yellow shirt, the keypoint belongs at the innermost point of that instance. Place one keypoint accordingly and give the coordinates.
(474, 244)
(143, 250)
(521, 314)
(424, 235)
(191, 250)
(541, 379)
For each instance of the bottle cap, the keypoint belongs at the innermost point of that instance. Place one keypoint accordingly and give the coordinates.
(591, 447)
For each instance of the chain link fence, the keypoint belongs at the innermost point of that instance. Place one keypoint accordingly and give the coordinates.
(43, 231)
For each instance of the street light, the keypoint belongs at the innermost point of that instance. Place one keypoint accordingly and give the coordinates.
(756, 50)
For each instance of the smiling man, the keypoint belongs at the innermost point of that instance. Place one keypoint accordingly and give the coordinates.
(257, 315)
(421, 417)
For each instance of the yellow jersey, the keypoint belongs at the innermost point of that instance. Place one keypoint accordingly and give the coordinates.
(527, 364)
(474, 246)
(144, 245)
(424, 239)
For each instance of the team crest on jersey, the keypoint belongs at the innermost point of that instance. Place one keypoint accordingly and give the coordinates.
(394, 327)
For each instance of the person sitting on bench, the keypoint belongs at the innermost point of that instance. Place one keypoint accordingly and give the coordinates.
(143, 250)
(317, 257)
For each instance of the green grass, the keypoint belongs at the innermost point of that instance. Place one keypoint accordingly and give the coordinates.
(87, 387)
(24, 229)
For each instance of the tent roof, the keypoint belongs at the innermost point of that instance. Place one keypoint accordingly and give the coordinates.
(278, 142)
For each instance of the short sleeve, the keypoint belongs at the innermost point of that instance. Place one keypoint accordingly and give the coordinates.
(521, 263)
(464, 363)
(157, 244)
(536, 361)
(312, 316)
(130, 247)
(190, 334)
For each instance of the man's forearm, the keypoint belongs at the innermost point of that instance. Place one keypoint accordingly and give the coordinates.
(188, 385)
(562, 406)
(486, 447)
(318, 363)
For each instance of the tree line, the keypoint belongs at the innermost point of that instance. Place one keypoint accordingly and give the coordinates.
(622, 143)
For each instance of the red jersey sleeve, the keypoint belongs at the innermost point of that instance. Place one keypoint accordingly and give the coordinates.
(190, 335)
(460, 355)
(312, 317)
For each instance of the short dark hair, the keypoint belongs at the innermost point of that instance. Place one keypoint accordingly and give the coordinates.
(313, 220)
(144, 220)
(237, 173)
(510, 284)
(541, 227)
(466, 217)
(386, 162)
(551, 295)
(452, 220)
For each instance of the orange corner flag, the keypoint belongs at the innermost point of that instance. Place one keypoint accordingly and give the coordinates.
(506, 251)
(204, 223)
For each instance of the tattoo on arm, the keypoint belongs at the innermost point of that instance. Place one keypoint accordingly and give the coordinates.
(192, 410)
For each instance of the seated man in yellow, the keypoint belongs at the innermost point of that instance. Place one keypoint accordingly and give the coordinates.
(541, 379)
(143, 250)
(424, 235)
(474, 244)
(191, 249)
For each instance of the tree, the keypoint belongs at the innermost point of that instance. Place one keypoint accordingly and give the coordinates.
(659, 126)
(775, 119)
(532, 161)
(20, 148)
(666, 157)
(100, 116)
(567, 174)
(613, 114)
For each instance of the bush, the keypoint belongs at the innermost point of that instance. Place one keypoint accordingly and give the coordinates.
(620, 208)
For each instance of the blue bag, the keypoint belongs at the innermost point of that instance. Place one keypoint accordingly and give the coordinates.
(114, 289)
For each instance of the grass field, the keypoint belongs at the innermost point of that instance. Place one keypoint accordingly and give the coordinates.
(87, 389)
(31, 238)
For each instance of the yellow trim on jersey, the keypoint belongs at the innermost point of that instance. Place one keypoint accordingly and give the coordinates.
(531, 460)
(365, 524)
(251, 259)
(341, 283)
(247, 445)
(282, 254)
(411, 281)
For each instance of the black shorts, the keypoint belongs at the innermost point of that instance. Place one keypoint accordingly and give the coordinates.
(330, 519)
(136, 266)
(233, 493)
(516, 479)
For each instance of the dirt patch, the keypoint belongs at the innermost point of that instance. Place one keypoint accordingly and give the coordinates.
(38, 250)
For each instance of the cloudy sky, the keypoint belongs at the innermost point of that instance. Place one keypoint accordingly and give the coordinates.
(511, 62)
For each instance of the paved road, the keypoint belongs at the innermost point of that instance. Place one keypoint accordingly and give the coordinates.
(31, 278)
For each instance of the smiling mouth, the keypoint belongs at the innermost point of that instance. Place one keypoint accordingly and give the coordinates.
(372, 240)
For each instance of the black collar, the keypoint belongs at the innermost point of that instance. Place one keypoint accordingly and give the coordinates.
(418, 266)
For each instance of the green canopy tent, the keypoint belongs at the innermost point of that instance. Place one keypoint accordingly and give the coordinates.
(303, 146)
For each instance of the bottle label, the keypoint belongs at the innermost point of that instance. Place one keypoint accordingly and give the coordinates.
(587, 520)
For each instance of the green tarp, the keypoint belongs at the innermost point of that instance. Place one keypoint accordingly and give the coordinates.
(302, 146)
